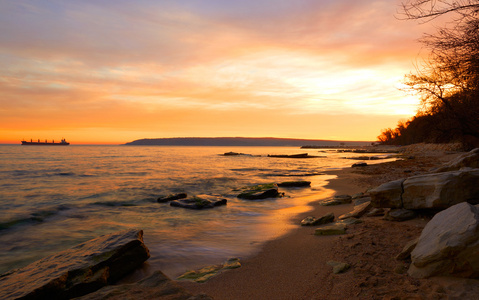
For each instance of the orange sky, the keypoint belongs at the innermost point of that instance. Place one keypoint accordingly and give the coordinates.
(97, 71)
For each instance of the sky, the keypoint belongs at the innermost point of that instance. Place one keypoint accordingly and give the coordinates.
(109, 72)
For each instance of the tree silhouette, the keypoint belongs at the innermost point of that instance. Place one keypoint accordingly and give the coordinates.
(448, 80)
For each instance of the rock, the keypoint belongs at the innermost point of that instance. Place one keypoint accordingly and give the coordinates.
(466, 160)
(312, 221)
(231, 153)
(361, 200)
(199, 202)
(430, 191)
(330, 202)
(338, 267)
(441, 190)
(343, 198)
(253, 195)
(203, 274)
(449, 244)
(361, 164)
(232, 263)
(406, 251)
(357, 212)
(172, 197)
(387, 195)
(79, 270)
(294, 184)
(358, 195)
(327, 218)
(375, 212)
(336, 200)
(333, 229)
(400, 214)
(156, 286)
(349, 221)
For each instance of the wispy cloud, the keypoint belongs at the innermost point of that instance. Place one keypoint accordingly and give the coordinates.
(107, 64)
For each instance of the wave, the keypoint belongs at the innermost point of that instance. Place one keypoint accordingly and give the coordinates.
(34, 217)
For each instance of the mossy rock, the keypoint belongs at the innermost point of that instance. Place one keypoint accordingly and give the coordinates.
(203, 274)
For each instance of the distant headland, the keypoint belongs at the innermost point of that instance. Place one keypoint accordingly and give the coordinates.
(243, 141)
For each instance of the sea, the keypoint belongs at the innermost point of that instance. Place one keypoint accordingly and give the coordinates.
(55, 197)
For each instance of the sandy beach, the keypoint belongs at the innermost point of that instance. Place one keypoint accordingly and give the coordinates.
(295, 265)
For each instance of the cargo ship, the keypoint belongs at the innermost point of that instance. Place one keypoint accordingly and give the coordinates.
(63, 142)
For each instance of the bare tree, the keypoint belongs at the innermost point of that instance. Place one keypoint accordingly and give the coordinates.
(430, 9)
(448, 81)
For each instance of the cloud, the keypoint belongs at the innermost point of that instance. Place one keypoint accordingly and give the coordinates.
(106, 64)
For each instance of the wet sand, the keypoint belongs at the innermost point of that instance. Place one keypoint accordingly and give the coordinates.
(294, 266)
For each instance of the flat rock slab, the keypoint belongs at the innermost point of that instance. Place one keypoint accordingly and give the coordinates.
(312, 221)
(333, 229)
(199, 202)
(336, 200)
(358, 211)
(78, 270)
(156, 286)
(288, 184)
(258, 195)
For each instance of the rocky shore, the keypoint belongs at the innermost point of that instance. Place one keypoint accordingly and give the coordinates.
(407, 229)
(369, 260)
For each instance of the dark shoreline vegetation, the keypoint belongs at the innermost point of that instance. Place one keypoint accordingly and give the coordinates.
(447, 81)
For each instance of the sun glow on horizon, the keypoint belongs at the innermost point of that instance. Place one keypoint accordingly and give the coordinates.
(103, 73)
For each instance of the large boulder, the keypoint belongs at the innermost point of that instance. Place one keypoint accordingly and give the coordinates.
(429, 191)
(449, 244)
(79, 270)
(466, 160)
(441, 190)
(388, 195)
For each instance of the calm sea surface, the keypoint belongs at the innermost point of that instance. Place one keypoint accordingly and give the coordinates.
(52, 198)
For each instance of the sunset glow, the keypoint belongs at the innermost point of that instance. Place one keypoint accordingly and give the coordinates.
(116, 71)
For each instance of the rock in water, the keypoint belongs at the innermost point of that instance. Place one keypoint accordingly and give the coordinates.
(449, 244)
(172, 197)
(156, 286)
(199, 202)
(258, 195)
(288, 184)
(79, 270)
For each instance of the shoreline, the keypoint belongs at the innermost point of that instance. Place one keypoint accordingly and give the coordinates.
(287, 267)
(294, 266)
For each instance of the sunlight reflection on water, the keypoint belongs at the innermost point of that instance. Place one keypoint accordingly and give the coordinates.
(54, 198)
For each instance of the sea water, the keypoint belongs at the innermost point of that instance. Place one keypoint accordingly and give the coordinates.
(55, 197)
